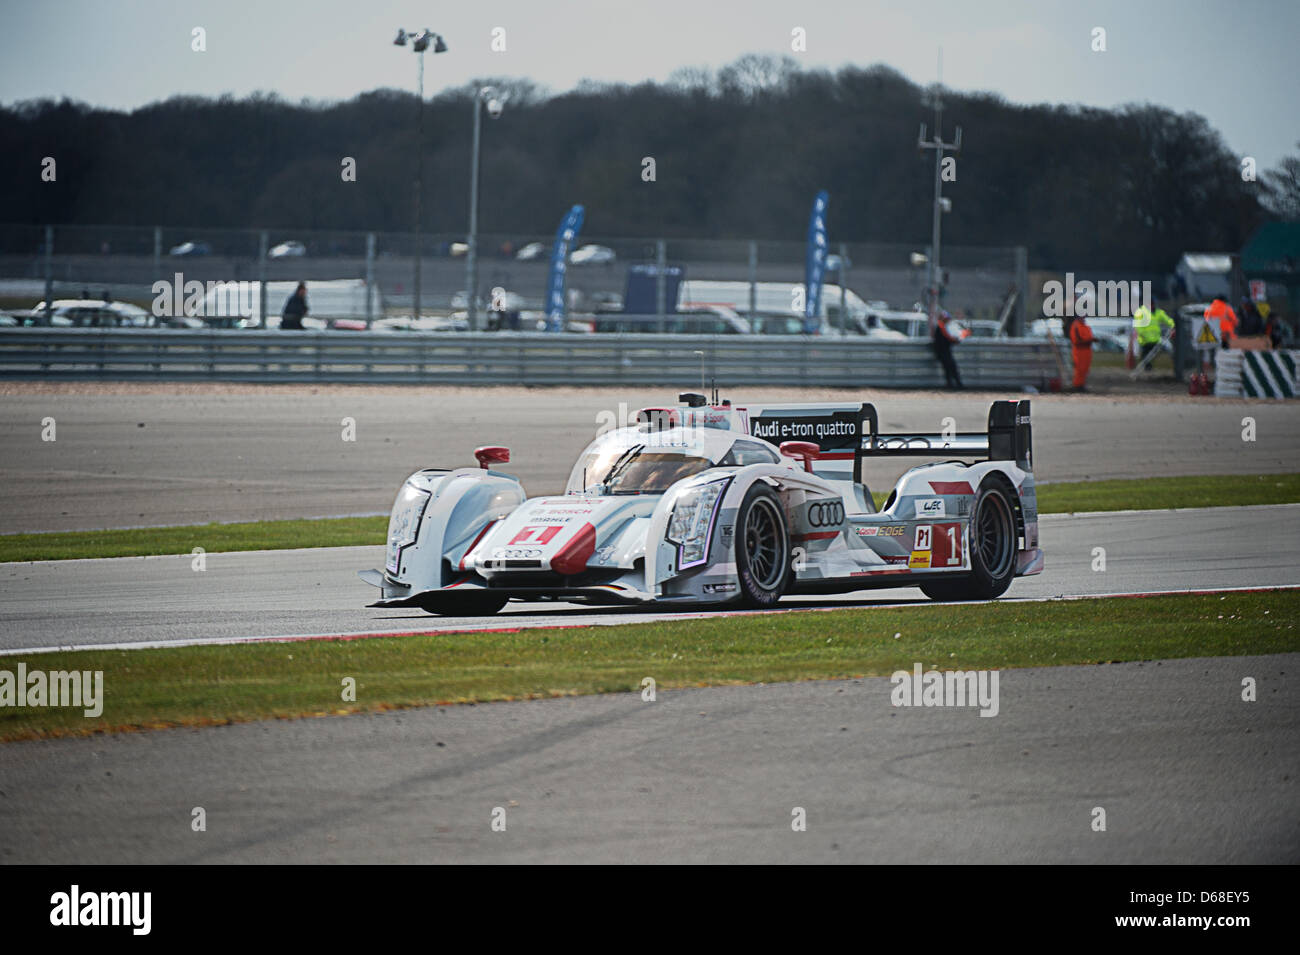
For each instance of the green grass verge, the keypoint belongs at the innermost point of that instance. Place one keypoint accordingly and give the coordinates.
(150, 541)
(1233, 490)
(351, 531)
(216, 685)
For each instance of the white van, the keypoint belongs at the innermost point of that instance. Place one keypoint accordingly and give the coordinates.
(774, 302)
(328, 300)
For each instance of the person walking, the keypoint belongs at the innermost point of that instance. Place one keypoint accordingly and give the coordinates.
(1149, 327)
(942, 343)
(1081, 351)
(1220, 313)
(1251, 322)
(295, 308)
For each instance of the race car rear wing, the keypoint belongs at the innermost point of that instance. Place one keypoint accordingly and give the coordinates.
(853, 432)
(1009, 437)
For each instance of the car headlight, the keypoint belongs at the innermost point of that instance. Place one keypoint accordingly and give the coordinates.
(691, 524)
(404, 523)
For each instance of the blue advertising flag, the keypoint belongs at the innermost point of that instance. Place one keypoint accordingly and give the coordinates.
(556, 307)
(815, 265)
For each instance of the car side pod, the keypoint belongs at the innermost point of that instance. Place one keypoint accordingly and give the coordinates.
(807, 450)
(490, 455)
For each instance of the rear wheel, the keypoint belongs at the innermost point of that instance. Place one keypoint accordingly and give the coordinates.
(477, 604)
(992, 549)
(762, 548)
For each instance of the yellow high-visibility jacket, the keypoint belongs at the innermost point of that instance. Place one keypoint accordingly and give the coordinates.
(1149, 325)
(1156, 323)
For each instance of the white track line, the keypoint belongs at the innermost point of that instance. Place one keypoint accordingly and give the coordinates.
(504, 626)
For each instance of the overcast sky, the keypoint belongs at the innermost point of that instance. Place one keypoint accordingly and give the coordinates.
(1233, 62)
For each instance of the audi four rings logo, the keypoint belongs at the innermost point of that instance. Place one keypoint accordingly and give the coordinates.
(826, 513)
(516, 553)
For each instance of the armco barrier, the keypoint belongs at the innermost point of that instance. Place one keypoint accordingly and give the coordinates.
(506, 358)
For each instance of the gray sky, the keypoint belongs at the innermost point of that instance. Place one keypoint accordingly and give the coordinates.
(1228, 61)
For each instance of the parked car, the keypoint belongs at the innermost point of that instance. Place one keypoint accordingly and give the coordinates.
(507, 302)
(696, 319)
(1109, 334)
(592, 255)
(287, 250)
(531, 252)
(776, 301)
(89, 313)
(187, 249)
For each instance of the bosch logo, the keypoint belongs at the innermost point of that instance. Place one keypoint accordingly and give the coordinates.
(826, 513)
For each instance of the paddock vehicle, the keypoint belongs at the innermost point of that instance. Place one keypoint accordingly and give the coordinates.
(713, 503)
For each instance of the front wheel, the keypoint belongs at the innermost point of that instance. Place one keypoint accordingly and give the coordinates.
(762, 548)
(992, 549)
(464, 605)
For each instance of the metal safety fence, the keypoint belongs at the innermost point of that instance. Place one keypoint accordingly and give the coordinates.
(508, 358)
(125, 262)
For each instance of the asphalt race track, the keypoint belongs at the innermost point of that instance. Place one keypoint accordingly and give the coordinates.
(177, 457)
(133, 599)
(1185, 771)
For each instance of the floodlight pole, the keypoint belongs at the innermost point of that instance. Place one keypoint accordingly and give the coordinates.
(421, 43)
(939, 146)
(481, 96)
(419, 187)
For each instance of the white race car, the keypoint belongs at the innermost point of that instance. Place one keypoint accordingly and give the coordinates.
(713, 503)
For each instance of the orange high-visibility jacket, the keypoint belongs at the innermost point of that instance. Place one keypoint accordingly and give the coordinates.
(1080, 335)
(1222, 312)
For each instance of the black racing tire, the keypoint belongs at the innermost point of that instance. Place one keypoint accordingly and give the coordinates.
(477, 604)
(993, 539)
(762, 548)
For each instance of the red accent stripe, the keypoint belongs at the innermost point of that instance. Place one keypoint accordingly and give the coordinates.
(817, 536)
(486, 527)
(952, 487)
(573, 556)
(835, 456)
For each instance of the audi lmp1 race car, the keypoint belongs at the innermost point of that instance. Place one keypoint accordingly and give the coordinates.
(718, 504)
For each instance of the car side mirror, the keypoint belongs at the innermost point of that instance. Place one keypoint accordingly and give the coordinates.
(491, 455)
(801, 449)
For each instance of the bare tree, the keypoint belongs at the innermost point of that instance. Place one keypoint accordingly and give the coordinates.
(1282, 188)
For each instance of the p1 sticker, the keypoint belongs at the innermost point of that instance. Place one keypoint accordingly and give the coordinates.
(922, 537)
(930, 507)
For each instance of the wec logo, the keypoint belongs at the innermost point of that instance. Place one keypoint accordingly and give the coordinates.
(930, 507)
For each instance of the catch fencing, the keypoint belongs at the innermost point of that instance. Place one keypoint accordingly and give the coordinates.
(509, 358)
(87, 261)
